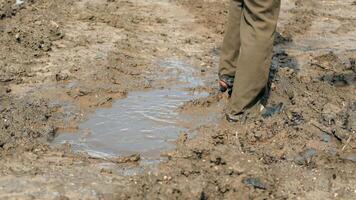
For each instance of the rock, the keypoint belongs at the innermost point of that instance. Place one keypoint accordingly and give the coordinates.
(127, 159)
(272, 110)
(325, 138)
(329, 114)
(351, 156)
(62, 76)
(305, 157)
(255, 182)
(350, 118)
(280, 39)
(352, 64)
(104, 101)
(106, 171)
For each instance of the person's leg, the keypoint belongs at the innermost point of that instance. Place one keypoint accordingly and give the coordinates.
(231, 44)
(258, 26)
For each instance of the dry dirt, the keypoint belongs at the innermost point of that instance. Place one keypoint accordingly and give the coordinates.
(61, 60)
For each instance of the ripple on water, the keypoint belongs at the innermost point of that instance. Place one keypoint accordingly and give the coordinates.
(145, 122)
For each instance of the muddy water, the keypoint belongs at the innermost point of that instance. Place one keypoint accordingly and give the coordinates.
(145, 122)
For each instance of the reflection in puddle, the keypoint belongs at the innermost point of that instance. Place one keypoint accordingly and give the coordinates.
(145, 122)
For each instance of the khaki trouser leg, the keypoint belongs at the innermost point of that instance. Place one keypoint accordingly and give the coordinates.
(231, 44)
(257, 29)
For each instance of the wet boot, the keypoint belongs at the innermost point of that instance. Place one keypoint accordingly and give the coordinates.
(225, 83)
(253, 113)
(249, 54)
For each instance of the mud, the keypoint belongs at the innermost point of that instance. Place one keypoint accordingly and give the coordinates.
(63, 60)
(145, 122)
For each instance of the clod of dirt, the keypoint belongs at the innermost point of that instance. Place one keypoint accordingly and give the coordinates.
(41, 41)
(350, 156)
(8, 8)
(329, 114)
(272, 110)
(280, 39)
(104, 101)
(281, 59)
(79, 92)
(217, 160)
(255, 182)
(352, 64)
(329, 61)
(305, 157)
(61, 76)
(325, 138)
(127, 159)
(350, 117)
(295, 118)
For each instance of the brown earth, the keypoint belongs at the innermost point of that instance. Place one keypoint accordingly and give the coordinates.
(60, 60)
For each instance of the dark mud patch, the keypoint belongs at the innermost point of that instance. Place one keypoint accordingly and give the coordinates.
(340, 80)
(281, 59)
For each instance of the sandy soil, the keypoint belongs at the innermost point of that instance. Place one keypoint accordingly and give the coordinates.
(61, 60)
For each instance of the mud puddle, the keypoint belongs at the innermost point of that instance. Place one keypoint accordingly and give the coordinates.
(146, 122)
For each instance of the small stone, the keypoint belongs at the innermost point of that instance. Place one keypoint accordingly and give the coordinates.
(61, 76)
(127, 159)
(305, 157)
(106, 171)
(255, 182)
(273, 87)
(258, 134)
(17, 37)
(351, 156)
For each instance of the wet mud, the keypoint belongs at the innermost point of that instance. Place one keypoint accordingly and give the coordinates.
(145, 122)
(63, 63)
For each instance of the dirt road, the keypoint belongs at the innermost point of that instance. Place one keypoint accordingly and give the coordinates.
(62, 60)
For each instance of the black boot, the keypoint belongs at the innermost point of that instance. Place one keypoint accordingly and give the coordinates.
(226, 82)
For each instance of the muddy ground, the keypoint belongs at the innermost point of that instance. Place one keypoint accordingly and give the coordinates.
(61, 60)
